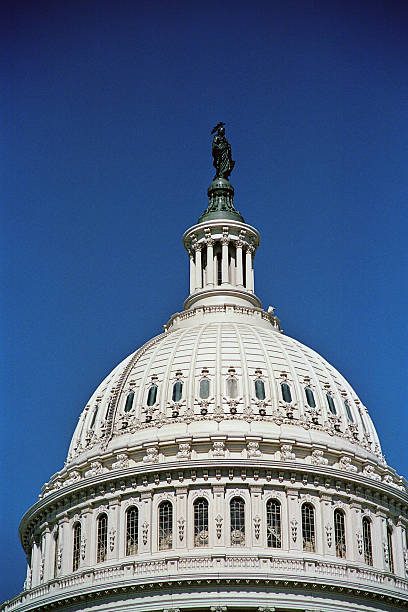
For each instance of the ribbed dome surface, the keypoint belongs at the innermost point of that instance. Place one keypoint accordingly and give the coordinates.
(229, 345)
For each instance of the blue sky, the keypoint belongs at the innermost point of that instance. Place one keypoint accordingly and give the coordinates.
(106, 109)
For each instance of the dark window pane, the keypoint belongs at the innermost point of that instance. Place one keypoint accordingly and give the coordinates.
(286, 394)
(129, 402)
(340, 534)
(177, 391)
(204, 388)
(102, 538)
(76, 549)
(308, 528)
(165, 525)
(132, 517)
(368, 548)
(237, 513)
(260, 389)
(95, 412)
(348, 410)
(310, 397)
(201, 522)
(330, 402)
(390, 551)
(152, 395)
(273, 524)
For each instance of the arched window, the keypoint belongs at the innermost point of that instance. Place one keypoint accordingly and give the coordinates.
(260, 389)
(330, 402)
(152, 395)
(390, 551)
(368, 547)
(286, 394)
(101, 538)
(177, 391)
(232, 388)
(348, 411)
(310, 397)
(129, 401)
(132, 530)
(204, 388)
(165, 525)
(76, 546)
(308, 528)
(95, 412)
(200, 522)
(340, 533)
(237, 514)
(273, 524)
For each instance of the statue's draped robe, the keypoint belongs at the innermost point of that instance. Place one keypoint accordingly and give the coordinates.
(221, 150)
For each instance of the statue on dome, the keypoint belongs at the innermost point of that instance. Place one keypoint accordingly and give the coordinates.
(221, 151)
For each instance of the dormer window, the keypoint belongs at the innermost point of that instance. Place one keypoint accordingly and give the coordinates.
(177, 391)
(232, 388)
(129, 401)
(330, 402)
(152, 395)
(260, 389)
(348, 411)
(204, 388)
(310, 397)
(286, 393)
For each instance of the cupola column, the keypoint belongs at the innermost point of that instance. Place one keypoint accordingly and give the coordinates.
(249, 272)
(224, 263)
(192, 271)
(240, 273)
(210, 260)
(198, 269)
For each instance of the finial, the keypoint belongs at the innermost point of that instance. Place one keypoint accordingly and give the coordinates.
(221, 152)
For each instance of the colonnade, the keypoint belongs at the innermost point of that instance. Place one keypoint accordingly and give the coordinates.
(226, 260)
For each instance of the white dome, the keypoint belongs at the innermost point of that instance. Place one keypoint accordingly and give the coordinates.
(217, 343)
(224, 463)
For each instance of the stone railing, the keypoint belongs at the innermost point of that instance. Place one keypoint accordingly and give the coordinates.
(220, 565)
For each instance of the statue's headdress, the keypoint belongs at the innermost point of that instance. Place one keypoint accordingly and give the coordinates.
(217, 127)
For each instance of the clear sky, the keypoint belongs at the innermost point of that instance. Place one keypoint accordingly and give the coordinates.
(106, 112)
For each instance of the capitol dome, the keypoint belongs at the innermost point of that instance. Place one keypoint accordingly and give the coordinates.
(223, 466)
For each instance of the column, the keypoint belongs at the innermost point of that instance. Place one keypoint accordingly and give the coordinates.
(145, 520)
(217, 518)
(48, 554)
(113, 532)
(224, 259)
(294, 520)
(356, 552)
(210, 262)
(192, 271)
(180, 517)
(35, 563)
(240, 274)
(326, 527)
(65, 543)
(258, 527)
(197, 247)
(248, 261)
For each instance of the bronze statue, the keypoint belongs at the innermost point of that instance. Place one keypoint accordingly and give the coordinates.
(221, 151)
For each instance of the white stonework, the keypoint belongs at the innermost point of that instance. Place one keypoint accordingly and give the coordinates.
(214, 468)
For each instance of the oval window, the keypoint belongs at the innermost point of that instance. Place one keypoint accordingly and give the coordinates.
(204, 388)
(177, 391)
(129, 401)
(310, 397)
(152, 395)
(260, 389)
(286, 394)
(330, 402)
